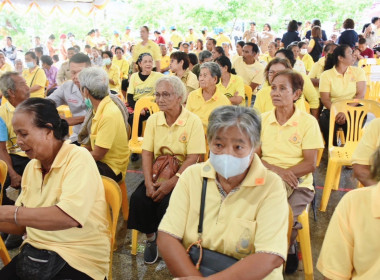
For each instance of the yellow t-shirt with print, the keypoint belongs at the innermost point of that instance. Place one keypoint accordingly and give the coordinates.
(341, 87)
(139, 88)
(351, 245)
(282, 145)
(74, 185)
(114, 74)
(190, 80)
(123, 66)
(184, 137)
(151, 47)
(165, 62)
(251, 73)
(36, 77)
(6, 113)
(108, 131)
(368, 144)
(236, 84)
(253, 218)
(197, 104)
(308, 62)
(175, 37)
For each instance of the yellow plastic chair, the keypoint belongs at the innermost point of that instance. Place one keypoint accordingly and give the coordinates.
(3, 177)
(113, 198)
(144, 102)
(248, 93)
(374, 91)
(65, 111)
(341, 156)
(305, 244)
(124, 199)
(135, 234)
(4, 255)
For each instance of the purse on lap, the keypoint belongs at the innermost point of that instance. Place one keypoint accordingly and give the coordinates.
(208, 262)
(165, 166)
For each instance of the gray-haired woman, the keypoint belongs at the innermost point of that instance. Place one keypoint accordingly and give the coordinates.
(208, 97)
(246, 212)
(180, 130)
(108, 138)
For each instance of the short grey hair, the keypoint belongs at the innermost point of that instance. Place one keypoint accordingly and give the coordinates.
(96, 80)
(7, 82)
(214, 69)
(177, 86)
(245, 118)
(204, 54)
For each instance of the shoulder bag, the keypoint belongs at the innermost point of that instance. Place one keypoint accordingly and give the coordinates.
(165, 166)
(208, 262)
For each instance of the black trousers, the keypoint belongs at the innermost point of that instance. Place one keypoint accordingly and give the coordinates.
(105, 170)
(145, 215)
(19, 163)
(324, 124)
(8, 272)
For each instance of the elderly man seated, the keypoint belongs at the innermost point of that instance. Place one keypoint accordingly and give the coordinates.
(108, 138)
(15, 90)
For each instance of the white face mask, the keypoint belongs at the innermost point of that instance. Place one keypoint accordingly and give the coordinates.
(229, 166)
(303, 51)
(106, 61)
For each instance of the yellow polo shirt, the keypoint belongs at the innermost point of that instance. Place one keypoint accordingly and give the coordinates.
(263, 102)
(6, 114)
(6, 67)
(200, 107)
(139, 88)
(165, 62)
(266, 58)
(116, 41)
(74, 185)
(184, 137)
(36, 77)
(108, 131)
(308, 62)
(351, 246)
(341, 87)
(151, 47)
(252, 218)
(191, 38)
(317, 69)
(123, 67)
(282, 145)
(190, 80)
(175, 37)
(252, 73)
(114, 74)
(368, 144)
(221, 38)
(236, 84)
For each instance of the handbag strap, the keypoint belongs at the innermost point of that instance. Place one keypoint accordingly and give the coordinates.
(34, 77)
(202, 208)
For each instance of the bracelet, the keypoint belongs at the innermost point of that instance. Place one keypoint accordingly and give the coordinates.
(177, 174)
(15, 215)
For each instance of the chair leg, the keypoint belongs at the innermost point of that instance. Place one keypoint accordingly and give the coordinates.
(4, 255)
(135, 234)
(329, 181)
(338, 172)
(319, 156)
(124, 200)
(304, 237)
(314, 201)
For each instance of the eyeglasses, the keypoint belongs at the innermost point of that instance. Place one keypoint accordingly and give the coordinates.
(164, 95)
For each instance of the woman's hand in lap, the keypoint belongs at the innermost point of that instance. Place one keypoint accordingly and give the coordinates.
(162, 189)
(340, 118)
(289, 177)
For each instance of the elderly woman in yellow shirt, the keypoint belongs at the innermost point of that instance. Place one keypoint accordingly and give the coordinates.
(180, 131)
(351, 245)
(208, 97)
(263, 102)
(246, 213)
(179, 66)
(123, 65)
(34, 76)
(339, 81)
(108, 138)
(113, 72)
(290, 140)
(61, 208)
(230, 85)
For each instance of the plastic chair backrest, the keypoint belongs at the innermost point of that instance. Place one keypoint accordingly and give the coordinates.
(374, 91)
(248, 94)
(355, 117)
(113, 197)
(144, 102)
(3, 177)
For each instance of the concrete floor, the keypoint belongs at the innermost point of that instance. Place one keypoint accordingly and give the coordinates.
(126, 266)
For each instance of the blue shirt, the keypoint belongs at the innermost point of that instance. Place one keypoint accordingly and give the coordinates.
(3, 131)
(290, 37)
(348, 37)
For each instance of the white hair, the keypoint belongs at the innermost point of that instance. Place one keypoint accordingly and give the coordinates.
(96, 80)
(177, 86)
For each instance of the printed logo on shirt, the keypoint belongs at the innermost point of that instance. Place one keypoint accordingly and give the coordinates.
(295, 138)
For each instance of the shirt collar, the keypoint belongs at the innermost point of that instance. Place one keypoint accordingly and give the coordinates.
(60, 158)
(181, 120)
(375, 202)
(10, 107)
(293, 121)
(256, 175)
(348, 71)
(215, 96)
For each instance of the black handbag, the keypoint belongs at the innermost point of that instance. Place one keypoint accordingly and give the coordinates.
(36, 264)
(208, 262)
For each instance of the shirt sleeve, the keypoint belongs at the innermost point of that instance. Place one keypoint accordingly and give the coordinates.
(368, 144)
(310, 93)
(360, 75)
(78, 195)
(335, 258)
(312, 138)
(258, 78)
(131, 88)
(197, 142)
(324, 83)
(149, 134)
(58, 96)
(312, 43)
(107, 131)
(3, 131)
(40, 78)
